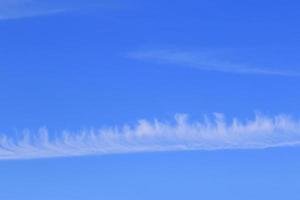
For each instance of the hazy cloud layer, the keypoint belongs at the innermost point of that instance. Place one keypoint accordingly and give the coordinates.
(205, 60)
(153, 136)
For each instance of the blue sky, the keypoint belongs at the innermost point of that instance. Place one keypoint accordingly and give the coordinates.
(149, 99)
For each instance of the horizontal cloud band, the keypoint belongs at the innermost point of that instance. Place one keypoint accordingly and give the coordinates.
(207, 61)
(153, 136)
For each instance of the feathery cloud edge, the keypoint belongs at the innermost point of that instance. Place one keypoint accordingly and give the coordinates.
(156, 136)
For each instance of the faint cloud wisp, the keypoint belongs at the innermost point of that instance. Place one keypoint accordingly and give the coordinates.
(204, 60)
(15, 9)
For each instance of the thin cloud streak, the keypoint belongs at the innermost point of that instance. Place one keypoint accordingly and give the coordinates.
(204, 61)
(30, 14)
(181, 134)
(16, 9)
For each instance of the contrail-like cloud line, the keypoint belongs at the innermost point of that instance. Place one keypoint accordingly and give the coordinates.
(154, 136)
(206, 61)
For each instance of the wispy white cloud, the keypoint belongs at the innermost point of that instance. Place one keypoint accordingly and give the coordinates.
(14, 9)
(205, 60)
(153, 136)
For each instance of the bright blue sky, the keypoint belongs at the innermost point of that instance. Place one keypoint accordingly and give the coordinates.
(75, 65)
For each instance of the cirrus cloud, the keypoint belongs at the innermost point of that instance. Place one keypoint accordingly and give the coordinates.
(14, 9)
(205, 60)
(153, 136)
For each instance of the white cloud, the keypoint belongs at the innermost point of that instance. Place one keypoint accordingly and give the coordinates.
(13, 9)
(204, 60)
(154, 136)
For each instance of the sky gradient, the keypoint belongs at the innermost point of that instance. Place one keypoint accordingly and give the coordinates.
(198, 99)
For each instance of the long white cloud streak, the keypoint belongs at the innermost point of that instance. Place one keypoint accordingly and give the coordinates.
(204, 60)
(152, 136)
